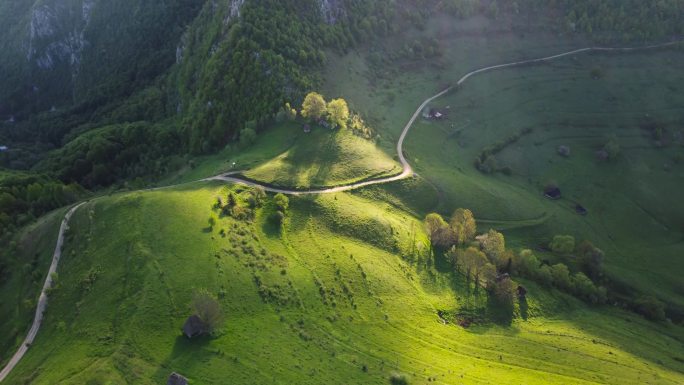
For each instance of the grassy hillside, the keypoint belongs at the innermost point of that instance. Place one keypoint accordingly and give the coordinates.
(319, 301)
(582, 102)
(21, 278)
(630, 212)
(324, 158)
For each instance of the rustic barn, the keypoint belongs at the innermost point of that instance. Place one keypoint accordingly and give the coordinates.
(552, 192)
(176, 379)
(194, 326)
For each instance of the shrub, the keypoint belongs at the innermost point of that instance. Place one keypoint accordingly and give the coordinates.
(504, 292)
(398, 379)
(282, 202)
(562, 244)
(591, 259)
(585, 289)
(561, 276)
(527, 263)
(494, 245)
(247, 137)
(544, 276)
(651, 308)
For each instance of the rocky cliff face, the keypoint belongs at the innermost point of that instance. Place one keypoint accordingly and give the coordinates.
(56, 52)
(56, 34)
(331, 10)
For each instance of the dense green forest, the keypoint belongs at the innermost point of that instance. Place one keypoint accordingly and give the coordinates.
(184, 77)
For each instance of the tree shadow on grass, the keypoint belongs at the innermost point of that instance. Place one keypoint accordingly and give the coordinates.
(499, 313)
(442, 263)
(185, 355)
(524, 308)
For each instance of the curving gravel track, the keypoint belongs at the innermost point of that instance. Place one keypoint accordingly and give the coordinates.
(407, 171)
(228, 177)
(43, 300)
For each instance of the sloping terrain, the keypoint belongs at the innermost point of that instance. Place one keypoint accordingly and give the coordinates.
(319, 301)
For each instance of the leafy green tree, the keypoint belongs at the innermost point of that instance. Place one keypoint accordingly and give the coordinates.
(561, 276)
(504, 292)
(208, 309)
(314, 106)
(590, 259)
(247, 137)
(586, 289)
(286, 113)
(338, 113)
(526, 263)
(282, 202)
(562, 244)
(471, 262)
(489, 275)
(494, 245)
(440, 234)
(544, 275)
(464, 225)
(651, 308)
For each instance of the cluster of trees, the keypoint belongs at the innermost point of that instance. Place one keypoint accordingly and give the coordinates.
(485, 262)
(335, 112)
(113, 153)
(558, 275)
(24, 197)
(480, 262)
(245, 70)
(460, 229)
(240, 206)
(601, 19)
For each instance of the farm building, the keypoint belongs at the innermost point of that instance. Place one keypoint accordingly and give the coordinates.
(552, 192)
(433, 114)
(579, 209)
(176, 379)
(194, 326)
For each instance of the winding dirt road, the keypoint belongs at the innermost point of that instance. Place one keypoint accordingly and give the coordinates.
(406, 167)
(43, 300)
(228, 177)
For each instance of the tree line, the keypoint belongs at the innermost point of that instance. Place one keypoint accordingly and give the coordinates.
(486, 262)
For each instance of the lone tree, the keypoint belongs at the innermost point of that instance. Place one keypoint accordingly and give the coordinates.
(314, 106)
(338, 113)
(464, 225)
(208, 309)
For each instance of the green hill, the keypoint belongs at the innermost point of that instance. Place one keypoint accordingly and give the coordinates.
(345, 287)
(319, 301)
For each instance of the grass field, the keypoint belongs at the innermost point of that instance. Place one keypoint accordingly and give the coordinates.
(635, 214)
(320, 301)
(325, 158)
(346, 292)
(632, 214)
(285, 156)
